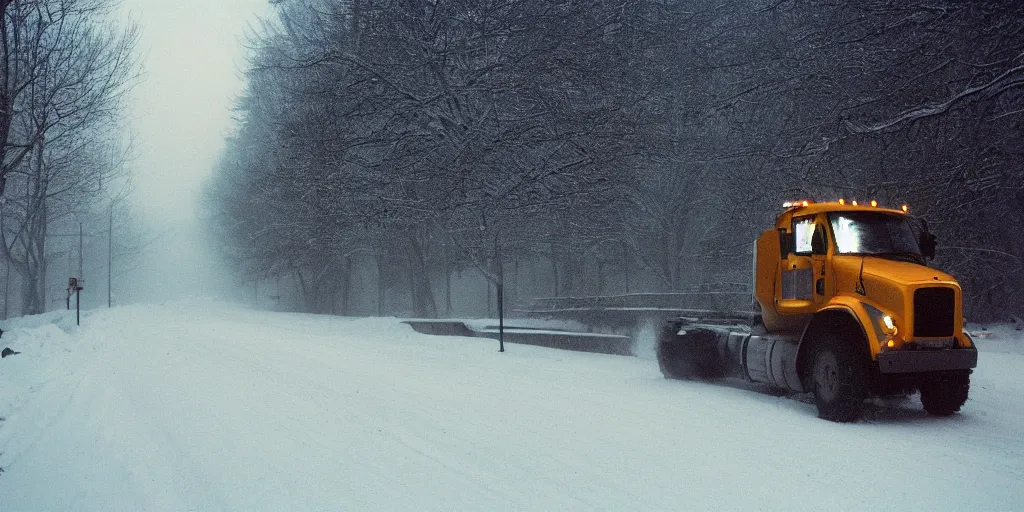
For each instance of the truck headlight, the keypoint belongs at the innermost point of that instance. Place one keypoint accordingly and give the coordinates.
(889, 326)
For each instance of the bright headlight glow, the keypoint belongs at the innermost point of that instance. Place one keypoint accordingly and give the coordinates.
(889, 325)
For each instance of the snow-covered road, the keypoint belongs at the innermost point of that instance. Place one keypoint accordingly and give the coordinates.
(204, 406)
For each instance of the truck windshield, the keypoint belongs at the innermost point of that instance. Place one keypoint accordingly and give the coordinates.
(873, 233)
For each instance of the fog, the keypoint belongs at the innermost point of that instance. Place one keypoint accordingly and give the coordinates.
(193, 54)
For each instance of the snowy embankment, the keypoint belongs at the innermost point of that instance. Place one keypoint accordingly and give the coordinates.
(210, 407)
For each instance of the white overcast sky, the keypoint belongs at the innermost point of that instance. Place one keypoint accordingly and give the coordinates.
(192, 53)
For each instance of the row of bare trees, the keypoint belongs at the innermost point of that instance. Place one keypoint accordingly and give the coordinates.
(65, 67)
(638, 146)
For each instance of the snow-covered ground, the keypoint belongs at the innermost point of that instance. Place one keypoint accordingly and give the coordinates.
(204, 406)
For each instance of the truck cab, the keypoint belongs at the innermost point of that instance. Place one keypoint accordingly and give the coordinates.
(864, 261)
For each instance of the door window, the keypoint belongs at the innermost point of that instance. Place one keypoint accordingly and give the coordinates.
(803, 234)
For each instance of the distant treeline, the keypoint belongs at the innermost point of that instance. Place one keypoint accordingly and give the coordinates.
(613, 146)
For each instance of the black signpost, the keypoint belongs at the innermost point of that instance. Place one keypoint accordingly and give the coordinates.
(75, 286)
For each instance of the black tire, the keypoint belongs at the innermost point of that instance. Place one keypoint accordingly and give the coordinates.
(838, 379)
(690, 356)
(670, 356)
(945, 393)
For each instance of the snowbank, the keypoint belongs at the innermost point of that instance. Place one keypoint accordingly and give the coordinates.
(44, 344)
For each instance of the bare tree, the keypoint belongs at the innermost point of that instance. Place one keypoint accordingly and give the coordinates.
(658, 137)
(68, 113)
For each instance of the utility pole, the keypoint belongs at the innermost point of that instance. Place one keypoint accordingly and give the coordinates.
(78, 291)
(110, 253)
(81, 236)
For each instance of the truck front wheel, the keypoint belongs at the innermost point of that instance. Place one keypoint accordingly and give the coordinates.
(838, 379)
(943, 394)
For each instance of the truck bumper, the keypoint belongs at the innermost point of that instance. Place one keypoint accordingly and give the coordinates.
(914, 361)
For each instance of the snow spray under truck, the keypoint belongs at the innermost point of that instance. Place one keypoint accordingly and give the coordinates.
(848, 309)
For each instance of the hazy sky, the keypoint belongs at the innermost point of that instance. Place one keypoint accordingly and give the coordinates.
(192, 53)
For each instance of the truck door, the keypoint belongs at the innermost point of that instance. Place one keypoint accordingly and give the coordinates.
(803, 272)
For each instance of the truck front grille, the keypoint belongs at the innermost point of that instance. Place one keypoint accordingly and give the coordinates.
(934, 309)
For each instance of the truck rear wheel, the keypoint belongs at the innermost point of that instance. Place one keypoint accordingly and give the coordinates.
(838, 379)
(945, 393)
(670, 357)
(689, 356)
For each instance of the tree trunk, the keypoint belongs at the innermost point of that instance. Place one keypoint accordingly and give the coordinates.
(34, 268)
(626, 269)
(447, 286)
(573, 269)
(490, 300)
(380, 285)
(305, 289)
(7, 289)
(554, 272)
(346, 285)
(419, 280)
(515, 281)
(31, 291)
(41, 254)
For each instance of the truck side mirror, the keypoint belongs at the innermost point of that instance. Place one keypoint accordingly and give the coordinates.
(927, 243)
(785, 243)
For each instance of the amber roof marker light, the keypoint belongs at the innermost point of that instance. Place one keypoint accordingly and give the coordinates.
(797, 204)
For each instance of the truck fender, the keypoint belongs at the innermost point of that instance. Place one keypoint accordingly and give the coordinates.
(835, 316)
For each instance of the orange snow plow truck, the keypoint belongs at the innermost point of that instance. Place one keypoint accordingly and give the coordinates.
(848, 309)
